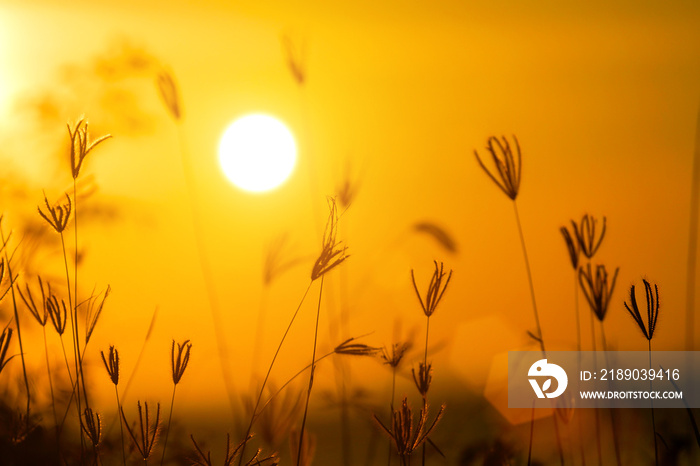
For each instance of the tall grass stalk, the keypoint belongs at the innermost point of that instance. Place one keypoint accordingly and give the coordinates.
(253, 416)
(48, 373)
(170, 94)
(652, 315)
(5, 241)
(311, 376)
(205, 266)
(540, 338)
(178, 365)
(507, 177)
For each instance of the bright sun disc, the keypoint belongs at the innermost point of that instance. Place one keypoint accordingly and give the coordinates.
(257, 152)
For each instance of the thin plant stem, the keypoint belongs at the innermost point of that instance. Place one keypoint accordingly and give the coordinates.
(425, 362)
(537, 317)
(311, 376)
(597, 416)
(48, 371)
(579, 348)
(205, 267)
(259, 332)
(613, 418)
(391, 412)
(653, 418)
(121, 428)
(79, 377)
(529, 278)
(70, 378)
(267, 376)
(53, 398)
(167, 432)
(279, 390)
(73, 325)
(14, 307)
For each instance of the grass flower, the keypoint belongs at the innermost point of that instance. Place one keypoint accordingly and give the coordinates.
(508, 170)
(398, 350)
(652, 311)
(332, 254)
(5, 339)
(91, 423)
(41, 315)
(167, 88)
(356, 349)
(597, 289)
(80, 145)
(572, 246)
(436, 289)
(112, 364)
(58, 313)
(94, 312)
(204, 459)
(148, 433)
(652, 314)
(406, 436)
(295, 59)
(424, 378)
(57, 215)
(588, 238)
(178, 363)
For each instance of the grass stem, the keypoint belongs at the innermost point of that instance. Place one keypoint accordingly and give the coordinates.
(253, 416)
(653, 418)
(167, 430)
(16, 314)
(311, 376)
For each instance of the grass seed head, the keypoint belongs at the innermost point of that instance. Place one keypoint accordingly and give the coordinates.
(332, 254)
(41, 315)
(356, 349)
(91, 423)
(178, 363)
(398, 350)
(57, 312)
(436, 288)
(167, 88)
(57, 215)
(597, 289)
(80, 145)
(295, 59)
(588, 238)
(112, 364)
(148, 432)
(424, 378)
(572, 246)
(94, 312)
(5, 339)
(508, 170)
(652, 298)
(406, 436)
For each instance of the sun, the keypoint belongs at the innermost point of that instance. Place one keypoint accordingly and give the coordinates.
(257, 153)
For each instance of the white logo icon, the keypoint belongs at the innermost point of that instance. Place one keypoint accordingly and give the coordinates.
(542, 369)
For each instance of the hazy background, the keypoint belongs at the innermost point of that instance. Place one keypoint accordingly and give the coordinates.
(603, 99)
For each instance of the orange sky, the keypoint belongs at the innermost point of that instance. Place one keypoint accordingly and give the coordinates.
(604, 101)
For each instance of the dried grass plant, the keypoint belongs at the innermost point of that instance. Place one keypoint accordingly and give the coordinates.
(647, 327)
(507, 174)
